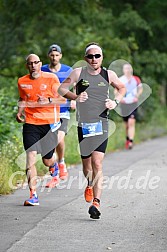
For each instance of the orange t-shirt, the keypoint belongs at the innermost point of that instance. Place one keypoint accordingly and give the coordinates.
(29, 89)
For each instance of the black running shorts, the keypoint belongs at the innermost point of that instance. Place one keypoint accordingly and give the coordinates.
(64, 125)
(39, 138)
(93, 143)
(129, 111)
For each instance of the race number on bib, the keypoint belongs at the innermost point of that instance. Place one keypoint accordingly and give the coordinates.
(92, 129)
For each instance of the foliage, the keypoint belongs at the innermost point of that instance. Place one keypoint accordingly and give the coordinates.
(8, 107)
(124, 28)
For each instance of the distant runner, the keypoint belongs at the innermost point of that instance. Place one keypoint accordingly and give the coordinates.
(129, 102)
(92, 106)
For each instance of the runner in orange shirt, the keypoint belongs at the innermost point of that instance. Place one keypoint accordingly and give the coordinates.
(39, 108)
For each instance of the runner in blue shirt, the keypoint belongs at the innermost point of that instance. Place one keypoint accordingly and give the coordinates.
(62, 71)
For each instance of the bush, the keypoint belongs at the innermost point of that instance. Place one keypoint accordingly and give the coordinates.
(9, 151)
(8, 106)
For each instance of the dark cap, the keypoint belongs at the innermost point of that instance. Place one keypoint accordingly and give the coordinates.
(54, 48)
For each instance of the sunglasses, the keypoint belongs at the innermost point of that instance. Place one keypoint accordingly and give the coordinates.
(91, 56)
(33, 62)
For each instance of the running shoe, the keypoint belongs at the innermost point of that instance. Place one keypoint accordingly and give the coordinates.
(63, 174)
(88, 194)
(94, 210)
(130, 145)
(54, 170)
(53, 182)
(32, 201)
(127, 144)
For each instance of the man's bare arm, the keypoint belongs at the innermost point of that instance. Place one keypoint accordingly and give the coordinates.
(68, 84)
(41, 102)
(117, 84)
(139, 90)
(20, 118)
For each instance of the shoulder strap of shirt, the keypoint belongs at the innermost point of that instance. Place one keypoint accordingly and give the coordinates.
(104, 73)
(83, 73)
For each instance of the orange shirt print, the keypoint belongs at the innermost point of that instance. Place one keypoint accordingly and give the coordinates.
(30, 90)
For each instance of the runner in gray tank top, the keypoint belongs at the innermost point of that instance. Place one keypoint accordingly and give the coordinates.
(98, 92)
(92, 90)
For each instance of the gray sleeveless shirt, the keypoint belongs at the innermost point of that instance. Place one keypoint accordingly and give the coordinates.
(93, 109)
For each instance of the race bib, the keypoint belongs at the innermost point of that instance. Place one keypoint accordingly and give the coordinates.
(92, 129)
(55, 126)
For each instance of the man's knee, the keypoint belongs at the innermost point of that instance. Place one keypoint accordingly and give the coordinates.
(131, 122)
(48, 162)
(97, 164)
(61, 135)
(86, 163)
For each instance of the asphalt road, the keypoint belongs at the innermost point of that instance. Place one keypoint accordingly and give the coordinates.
(134, 209)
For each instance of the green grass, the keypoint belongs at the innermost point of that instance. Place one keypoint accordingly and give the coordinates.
(116, 140)
(10, 173)
(155, 127)
(4, 176)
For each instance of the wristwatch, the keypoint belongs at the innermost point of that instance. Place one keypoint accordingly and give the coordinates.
(50, 100)
(116, 101)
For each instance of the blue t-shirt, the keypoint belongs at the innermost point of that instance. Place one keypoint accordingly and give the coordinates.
(62, 74)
